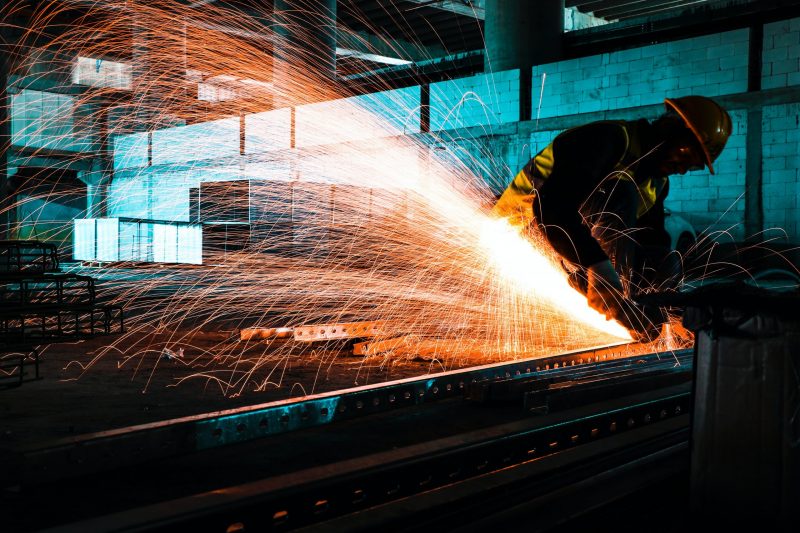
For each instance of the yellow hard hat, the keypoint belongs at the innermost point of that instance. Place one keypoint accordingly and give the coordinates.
(709, 122)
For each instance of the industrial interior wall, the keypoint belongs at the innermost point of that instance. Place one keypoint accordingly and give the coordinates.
(475, 119)
(781, 170)
(780, 67)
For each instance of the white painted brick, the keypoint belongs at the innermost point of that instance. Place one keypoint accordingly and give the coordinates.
(775, 54)
(571, 75)
(777, 150)
(694, 80)
(785, 66)
(784, 122)
(694, 54)
(590, 61)
(642, 64)
(627, 55)
(721, 205)
(787, 39)
(697, 206)
(733, 61)
(774, 136)
(774, 82)
(740, 73)
(708, 41)
(781, 176)
(589, 106)
(568, 109)
(731, 88)
(729, 191)
(704, 66)
(655, 50)
(616, 92)
(701, 193)
(722, 50)
(720, 76)
(680, 46)
(665, 85)
(668, 60)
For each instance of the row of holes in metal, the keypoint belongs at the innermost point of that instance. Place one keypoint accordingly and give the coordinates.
(281, 517)
(376, 401)
(364, 329)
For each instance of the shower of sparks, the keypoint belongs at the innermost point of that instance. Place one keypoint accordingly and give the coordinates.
(384, 226)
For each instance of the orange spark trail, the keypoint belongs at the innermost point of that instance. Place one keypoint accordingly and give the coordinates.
(359, 221)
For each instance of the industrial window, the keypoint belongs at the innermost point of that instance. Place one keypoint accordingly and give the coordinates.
(101, 73)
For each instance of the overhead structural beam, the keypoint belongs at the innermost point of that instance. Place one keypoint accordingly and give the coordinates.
(643, 7)
(374, 58)
(618, 9)
(466, 8)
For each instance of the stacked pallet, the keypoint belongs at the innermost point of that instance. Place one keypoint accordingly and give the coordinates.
(39, 304)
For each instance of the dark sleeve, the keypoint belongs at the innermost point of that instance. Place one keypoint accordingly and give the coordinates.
(583, 157)
(650, 226)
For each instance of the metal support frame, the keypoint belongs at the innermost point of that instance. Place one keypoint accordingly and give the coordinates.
(510, 463)
(124, 447)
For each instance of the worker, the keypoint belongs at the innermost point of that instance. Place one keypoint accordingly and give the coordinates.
(596, 193)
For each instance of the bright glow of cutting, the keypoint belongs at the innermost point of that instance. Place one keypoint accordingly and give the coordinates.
(527, 269)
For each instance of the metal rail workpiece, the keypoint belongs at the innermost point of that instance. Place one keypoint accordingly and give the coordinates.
(107, 450)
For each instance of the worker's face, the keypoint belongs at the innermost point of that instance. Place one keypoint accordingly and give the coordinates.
(681, 157)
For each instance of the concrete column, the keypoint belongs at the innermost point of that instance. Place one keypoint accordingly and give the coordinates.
(305, 50)
(521, 34)
(98, 177)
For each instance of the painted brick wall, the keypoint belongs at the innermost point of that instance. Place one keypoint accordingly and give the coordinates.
(781, 169)
(710, 65)
(215, 139)
(482, 100)
(130, 150)
(270, 130)
(160, 193)
(780, 65)
(128, 195)
(363, 117)
(45, 120)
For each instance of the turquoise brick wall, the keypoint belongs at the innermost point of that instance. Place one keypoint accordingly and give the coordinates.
(161, 193)
(46, 120)
(267, 131)
(474, 122)
(711, 65)
(715, 204)
(130, 150)
(780, 65)
(781, 169)
(216, 139)
(370, 116)
(482, 100)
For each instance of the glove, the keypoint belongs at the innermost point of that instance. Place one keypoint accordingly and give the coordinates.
(605, 295)
(604, 289)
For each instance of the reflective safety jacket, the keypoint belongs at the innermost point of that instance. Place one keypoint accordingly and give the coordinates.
(552, 188)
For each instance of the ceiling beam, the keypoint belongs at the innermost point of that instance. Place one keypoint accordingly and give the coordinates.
(466, 8)
(646, 7)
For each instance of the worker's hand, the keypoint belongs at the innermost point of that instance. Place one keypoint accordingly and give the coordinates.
(605, 290)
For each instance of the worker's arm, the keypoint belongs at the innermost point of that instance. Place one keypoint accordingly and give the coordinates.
(583, 158)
